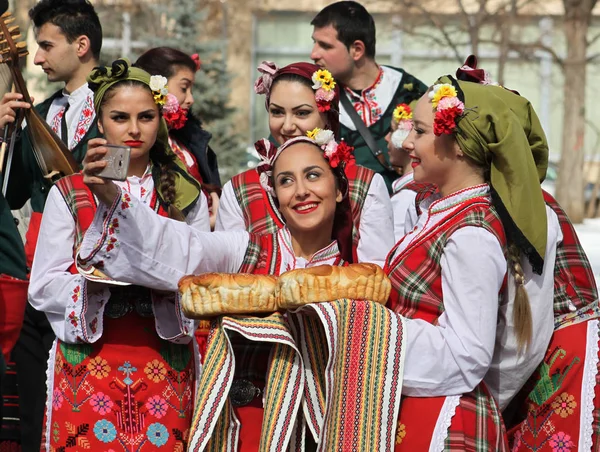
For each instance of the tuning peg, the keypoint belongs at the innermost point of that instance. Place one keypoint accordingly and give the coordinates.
(6, 15)
(9, 20)
(4, 41)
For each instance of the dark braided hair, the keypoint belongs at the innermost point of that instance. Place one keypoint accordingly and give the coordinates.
(161, 159)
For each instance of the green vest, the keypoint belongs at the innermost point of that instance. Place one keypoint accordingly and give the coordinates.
(26, 179)
(409, 90)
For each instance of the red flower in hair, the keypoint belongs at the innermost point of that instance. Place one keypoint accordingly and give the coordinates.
(323, 106)
(445, 121)
(196, 59)
(342, 153)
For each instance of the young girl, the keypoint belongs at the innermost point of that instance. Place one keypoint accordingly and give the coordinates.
(122, 369)
(187, 138)
(299, 103)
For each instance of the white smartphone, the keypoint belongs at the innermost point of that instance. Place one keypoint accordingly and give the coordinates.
(118, 162)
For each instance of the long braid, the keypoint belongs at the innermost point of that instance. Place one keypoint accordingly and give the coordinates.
(522, 310)
(166, 181)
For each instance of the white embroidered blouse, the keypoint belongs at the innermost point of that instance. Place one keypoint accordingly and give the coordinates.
(74, 312)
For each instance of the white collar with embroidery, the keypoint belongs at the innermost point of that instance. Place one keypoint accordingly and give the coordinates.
(402, 182)
(320, 257)
(435, 203)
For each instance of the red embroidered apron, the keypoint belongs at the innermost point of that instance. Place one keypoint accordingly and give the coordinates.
(128, 391)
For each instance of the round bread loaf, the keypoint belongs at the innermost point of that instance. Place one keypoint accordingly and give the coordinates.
(328, 283)
(213, 294)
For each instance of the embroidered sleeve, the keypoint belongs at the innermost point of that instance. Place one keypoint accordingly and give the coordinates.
(136, 245)
(74, 308)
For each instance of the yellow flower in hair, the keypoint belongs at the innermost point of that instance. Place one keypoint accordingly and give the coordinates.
(440, 91)
(323, 75)
(328, 85)
(160, 99)
(402, 111)
(312, 134)
(323, 79)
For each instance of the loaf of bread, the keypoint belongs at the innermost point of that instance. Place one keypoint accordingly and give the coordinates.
(328, 283)
(213, 294)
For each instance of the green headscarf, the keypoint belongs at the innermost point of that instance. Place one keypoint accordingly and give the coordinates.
(496, 128)
(100, 80)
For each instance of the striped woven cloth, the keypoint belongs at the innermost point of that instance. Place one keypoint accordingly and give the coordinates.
(335, 368)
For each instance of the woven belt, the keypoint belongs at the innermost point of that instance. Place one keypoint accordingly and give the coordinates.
(242, 392)
(126, 299)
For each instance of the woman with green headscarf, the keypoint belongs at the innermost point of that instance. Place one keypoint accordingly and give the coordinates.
(449, 273)
(557, 408)
(122, 370)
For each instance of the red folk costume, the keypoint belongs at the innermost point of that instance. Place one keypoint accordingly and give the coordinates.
(561, 401)
(456, 422)
(121, 385)
(122, 371)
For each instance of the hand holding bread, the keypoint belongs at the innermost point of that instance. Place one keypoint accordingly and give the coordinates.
(213, 294)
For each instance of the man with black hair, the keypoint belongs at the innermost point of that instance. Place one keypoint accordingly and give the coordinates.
(344, 44)
(69, 36)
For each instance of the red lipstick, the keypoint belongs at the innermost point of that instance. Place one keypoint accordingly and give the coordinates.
(134, 143)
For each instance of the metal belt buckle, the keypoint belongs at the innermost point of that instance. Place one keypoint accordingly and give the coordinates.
(242, 392)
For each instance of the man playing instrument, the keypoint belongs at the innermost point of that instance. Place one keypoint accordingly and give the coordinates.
(69, 36)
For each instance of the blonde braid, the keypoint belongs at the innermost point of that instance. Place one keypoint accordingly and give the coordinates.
(522, 310)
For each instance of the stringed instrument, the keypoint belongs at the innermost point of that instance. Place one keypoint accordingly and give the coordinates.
(51, 154)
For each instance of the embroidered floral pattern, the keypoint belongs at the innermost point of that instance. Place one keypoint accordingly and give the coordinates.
(113, 226)
(98, 367)
(155, 371)
(57, 399)
(400, 433)
(125, 201)
(105, 431)
(76, 294)
(157, 406)
(157, 434)
(101, 403)
(85, 119)
(561, 442)
(564, 405)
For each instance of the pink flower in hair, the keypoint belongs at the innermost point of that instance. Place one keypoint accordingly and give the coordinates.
(451, 102)
(263, 83)
(171, 105)
(323, 95)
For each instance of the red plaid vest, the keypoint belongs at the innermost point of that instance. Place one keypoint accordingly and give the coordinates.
(574, 280)
(82, 205)
(416, 274)
(261, 215)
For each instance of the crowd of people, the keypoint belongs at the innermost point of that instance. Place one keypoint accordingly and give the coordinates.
(489, 340)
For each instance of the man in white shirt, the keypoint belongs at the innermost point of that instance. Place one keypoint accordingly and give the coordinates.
(69, 36)
(344, 43)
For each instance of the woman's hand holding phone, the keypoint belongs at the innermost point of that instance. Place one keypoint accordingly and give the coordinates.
(93, 164)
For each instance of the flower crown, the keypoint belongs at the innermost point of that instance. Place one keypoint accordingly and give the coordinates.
(402, 118)
(337, 154)
(158, 86)
(448, 108)
(323, 84)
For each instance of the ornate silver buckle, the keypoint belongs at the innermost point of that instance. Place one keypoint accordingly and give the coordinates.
(242, 392)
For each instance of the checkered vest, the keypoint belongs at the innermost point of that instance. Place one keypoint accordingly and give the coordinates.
(82, 206)
(574, 281)
(261, 215)
(416, 273)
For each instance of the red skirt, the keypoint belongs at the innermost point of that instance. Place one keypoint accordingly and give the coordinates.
(470, 422)
(129, 391)
(13, 299)
(562, 404)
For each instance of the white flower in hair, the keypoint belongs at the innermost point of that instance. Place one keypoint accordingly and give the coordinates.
(398, 137)
(323, 136)
(158, 83)
(265, 182)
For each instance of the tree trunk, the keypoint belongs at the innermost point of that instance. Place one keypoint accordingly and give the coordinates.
(571, 182)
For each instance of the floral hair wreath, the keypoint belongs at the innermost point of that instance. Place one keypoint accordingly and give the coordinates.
(448, 108)
(323, 84)
(174, 115)
(337, 154)
(402, 118)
